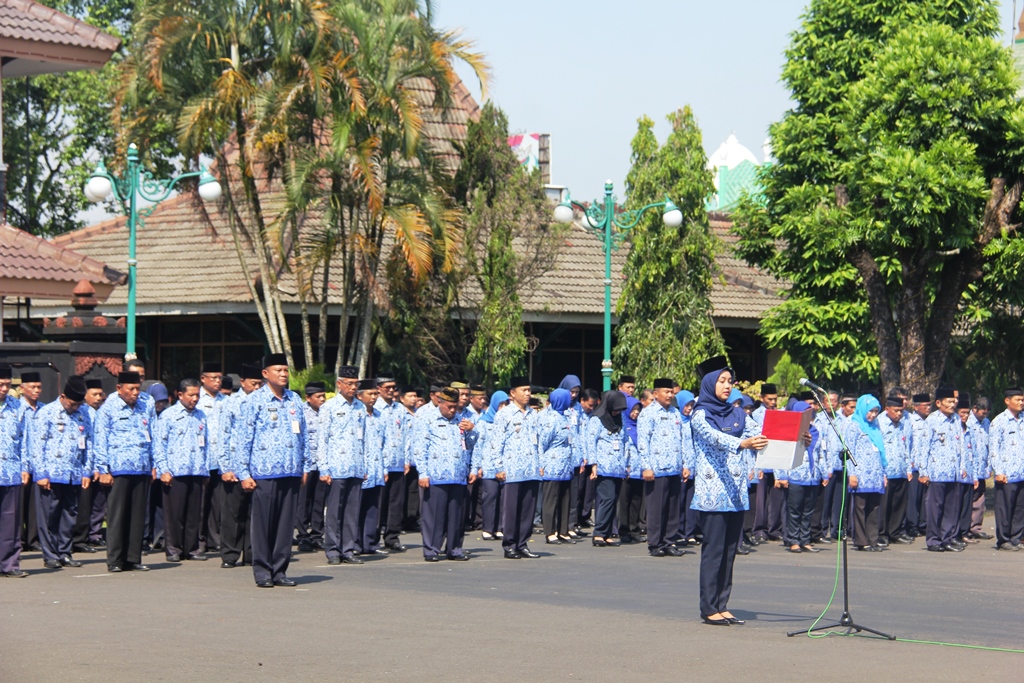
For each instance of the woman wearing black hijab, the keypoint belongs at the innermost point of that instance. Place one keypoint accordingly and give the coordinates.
(611, 453)
(723, 436)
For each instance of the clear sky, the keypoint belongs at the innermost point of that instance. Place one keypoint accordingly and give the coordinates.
(586, 70)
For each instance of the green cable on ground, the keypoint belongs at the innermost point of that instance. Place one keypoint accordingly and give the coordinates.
(835, 588)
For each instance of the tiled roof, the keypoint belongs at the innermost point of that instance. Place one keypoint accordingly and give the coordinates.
(25, 260)
(30, 21)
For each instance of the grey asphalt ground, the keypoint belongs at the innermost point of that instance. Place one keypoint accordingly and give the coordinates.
(579, 613)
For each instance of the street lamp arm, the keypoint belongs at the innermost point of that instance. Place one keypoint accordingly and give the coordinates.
(156, 191)
(628, 219)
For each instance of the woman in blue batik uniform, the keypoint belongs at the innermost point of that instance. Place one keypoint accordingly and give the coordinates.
(867, 477)
(556, 466)
(611, 451)
(722, 433)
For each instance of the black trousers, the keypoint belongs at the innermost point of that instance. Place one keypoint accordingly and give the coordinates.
(30, 529)
(943, 506)
(56, 511)
(182, 500)
(392, 507)
(519, 503)
(631, 507)
(341, 526)
(662, 496)
(126, 519)
(10, 528)
(154, 513)
(491, 508)
(92, 508)
(760, 504)
(800, 500)
(472, 506)
(722, 532)
(556, 507)
(917, 514)
(235, 540)
(1009, 506)
(606, 497)
(750, 514)
(442, 519)
(816, 526)
(271, 523)
(212, 502)
(412, 501)
(892, 518)
(574, 499)
(309, 515)
(689, 520)
(369, 519)
(586, 496)
(865, 518)
(966, 507)
(831, 509)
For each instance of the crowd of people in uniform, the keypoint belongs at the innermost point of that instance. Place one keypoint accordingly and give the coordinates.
(251, 473)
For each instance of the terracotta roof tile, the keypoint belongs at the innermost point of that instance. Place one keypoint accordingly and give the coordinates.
(27, 20)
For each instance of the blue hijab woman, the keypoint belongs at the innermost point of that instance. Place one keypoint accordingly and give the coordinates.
(867, 478)
(629, 417)
(485, 465)
(556, 443)
(722, 437)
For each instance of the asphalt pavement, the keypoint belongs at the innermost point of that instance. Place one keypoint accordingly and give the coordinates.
(578, 613)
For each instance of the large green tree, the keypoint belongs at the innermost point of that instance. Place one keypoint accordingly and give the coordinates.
(896, 179)
(665, 324)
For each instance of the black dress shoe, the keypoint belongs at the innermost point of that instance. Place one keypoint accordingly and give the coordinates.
(14, 574)
(431, 558)
(935, 548)
(883, 542)
(53, 564)
(114, 568)
(69, 561)
(553, 541)
(903, 540)
(227, 565)
(459, 558)
(305, 547)
(526, 552)
(951, 548)
(83, 548)
(350, 559)
(198, 557)
(567, 540)
(599, 542)
(396, 548)
(513, 555)
(716, 622)
(743, 550)
(657, 552)
(285, 581)
(136, 568)
(674, 551)
(488, 536)
(375, 551)
(267, 583)
(983, 536)
(333, 561)
(734, 621)
(174, 558)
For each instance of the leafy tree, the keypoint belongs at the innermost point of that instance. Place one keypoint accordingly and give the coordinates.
(787, 375)
(58, 126)
(897, 177)
(665, 324)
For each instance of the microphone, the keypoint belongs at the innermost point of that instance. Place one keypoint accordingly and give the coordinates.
(804, 382)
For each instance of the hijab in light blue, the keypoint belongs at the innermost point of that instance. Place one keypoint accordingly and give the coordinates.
(497, 398)
(628, 423)
(560, 400)
(735, 395)
(682, 398)
(866, 403)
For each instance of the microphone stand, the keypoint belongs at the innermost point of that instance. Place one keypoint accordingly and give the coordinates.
(846, 619)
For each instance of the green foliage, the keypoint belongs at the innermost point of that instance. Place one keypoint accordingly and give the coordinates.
(297, 380)
(665, 325)
(787, 376)
(874, 212)
(57, 126)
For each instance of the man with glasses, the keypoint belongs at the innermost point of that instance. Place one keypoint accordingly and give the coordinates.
(396, 419)
(210, 403)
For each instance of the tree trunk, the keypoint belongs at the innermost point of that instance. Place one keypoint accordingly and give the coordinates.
(321, 336)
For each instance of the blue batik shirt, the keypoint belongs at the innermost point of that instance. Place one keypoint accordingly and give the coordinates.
(182, 447)
(212, 405)
(342, 430)
(123, 437)
(659, 436)
(396, 421)
(899, 444)
(722, 469)
(483, 456)
(269, 436)
(26, 413)
(438, 449)
(59, 444)
(979, 429)
(312, 432)
(612, 452)
(1006, 446)
(869, 470)
(556, 445)
(516, 451)
(814, 464)
(941, 455)
(13, 455)
(577, 419)
(471, 436)
(374, 445)
(229, 413)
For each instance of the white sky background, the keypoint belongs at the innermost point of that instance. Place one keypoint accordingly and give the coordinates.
(586, 70)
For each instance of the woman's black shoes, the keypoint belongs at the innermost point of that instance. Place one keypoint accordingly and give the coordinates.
(735, 621)
(599, 542)
(716, 622)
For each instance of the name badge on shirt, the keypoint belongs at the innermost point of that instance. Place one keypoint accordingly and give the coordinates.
(295, 427)
(201, 441)
(81, 443)
(145, 433)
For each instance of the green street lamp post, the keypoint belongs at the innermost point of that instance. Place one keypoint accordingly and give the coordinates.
(612, 227)
(139, 183)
